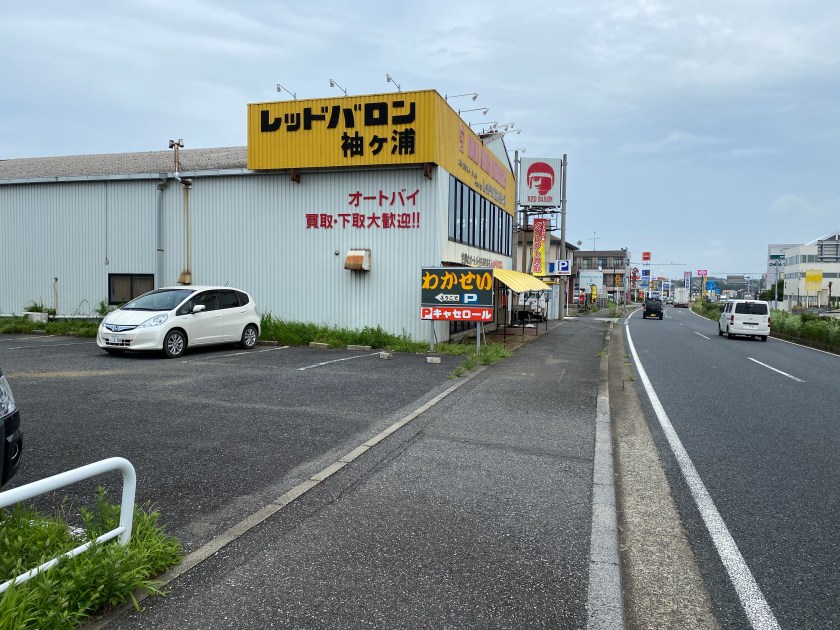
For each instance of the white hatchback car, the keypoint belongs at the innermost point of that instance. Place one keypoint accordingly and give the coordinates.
(173, 318)
(745, 317)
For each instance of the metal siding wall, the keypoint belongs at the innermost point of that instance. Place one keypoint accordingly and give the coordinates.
(58, 230)
(247, 231)
(250, 232)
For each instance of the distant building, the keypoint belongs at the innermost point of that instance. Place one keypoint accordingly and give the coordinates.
(611, 265)
(812, 273)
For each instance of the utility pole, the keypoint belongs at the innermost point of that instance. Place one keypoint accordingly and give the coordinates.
(563, 295)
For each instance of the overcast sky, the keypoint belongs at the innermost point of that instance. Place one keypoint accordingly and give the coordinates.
(699, 131)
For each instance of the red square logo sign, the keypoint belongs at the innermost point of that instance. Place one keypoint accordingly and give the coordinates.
(645, 256)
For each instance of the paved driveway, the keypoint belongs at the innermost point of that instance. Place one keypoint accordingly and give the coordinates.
(213, 436)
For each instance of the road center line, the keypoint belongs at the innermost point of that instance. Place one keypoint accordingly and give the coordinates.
(752, 599)
(702, 335)
(769, 367)
(358, 356)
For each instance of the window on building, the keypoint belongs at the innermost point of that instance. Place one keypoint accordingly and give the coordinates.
(123, 287)
(453, 215)
(477, 221)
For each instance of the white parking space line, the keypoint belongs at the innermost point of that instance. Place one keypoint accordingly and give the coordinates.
(233, 354)
(752, 599)
(50, 345)
(359, 356)
(770, 367)
(702, 335)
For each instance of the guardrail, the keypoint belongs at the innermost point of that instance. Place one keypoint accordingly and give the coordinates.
(123, 532)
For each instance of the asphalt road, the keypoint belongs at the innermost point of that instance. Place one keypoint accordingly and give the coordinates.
(213, 436)
(759, 422)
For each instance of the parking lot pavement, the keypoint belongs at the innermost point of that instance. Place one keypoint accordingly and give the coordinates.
(213, 436)
(475, 514)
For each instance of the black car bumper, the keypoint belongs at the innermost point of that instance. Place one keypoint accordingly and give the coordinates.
(11, 448)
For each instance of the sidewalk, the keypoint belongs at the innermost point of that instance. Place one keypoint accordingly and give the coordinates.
(475, 514)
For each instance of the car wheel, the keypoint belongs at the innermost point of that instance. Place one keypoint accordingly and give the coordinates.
(113, 351)
(729, 334)
(174, 344)
(660, 317)
(249, 337)
(720, 332)
(764, 338)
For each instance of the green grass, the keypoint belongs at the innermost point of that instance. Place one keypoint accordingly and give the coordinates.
(291, 333)
(490, 353)
(104, 576)
(74, 327)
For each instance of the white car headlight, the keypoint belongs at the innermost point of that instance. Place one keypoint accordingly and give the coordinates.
(7, 401)
(157, 320)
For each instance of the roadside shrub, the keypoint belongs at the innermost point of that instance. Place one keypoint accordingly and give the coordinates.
(825, 330)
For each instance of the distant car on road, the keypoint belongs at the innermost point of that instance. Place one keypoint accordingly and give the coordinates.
(12, 445)
(653, 309)
(174, 318)
(745, 317)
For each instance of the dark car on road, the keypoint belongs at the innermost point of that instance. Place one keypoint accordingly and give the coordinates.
(653, 308)
(12, 445)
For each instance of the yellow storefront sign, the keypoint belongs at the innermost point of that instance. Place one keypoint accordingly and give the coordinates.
(813, 280)
(376, 130)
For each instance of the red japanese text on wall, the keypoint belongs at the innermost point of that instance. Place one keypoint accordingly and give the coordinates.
(397, 199)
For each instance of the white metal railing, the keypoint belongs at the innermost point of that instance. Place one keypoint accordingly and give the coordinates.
(123, 532)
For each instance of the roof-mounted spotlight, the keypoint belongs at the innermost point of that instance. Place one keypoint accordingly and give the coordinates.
(280, 88)
(474, 96)
(390, 79)
(334, 84)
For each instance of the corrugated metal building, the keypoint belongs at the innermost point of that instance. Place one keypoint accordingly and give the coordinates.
(79, 231)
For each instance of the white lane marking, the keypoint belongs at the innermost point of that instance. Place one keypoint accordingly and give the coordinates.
(702, 335)
(752, 599)
(358, 356)
(769, 367)
(793, 343)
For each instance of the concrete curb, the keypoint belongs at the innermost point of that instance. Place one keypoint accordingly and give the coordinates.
(605, 604)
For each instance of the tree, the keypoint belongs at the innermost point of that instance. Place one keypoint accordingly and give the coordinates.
(769, 295)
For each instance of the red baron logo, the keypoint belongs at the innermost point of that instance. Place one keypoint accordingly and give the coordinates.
(540, 176)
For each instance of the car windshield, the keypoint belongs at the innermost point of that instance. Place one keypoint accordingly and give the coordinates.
(751, 308)
(161, 300)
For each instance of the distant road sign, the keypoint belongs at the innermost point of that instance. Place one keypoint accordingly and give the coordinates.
(701, 272)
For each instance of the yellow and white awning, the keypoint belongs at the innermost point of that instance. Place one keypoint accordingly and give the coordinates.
(519, 282)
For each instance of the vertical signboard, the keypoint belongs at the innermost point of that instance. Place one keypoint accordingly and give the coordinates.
(539, 266)
(645, 256)
(687, 279)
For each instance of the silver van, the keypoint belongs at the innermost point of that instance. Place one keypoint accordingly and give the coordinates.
(745, 317)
